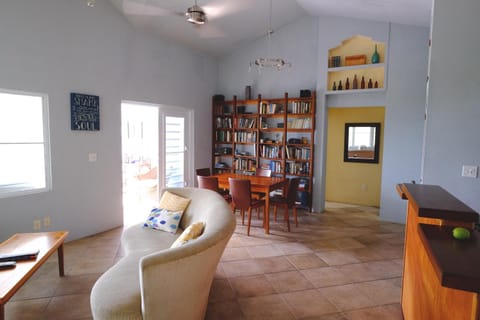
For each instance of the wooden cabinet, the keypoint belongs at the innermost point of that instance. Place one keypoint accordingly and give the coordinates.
(351, 60)
(441, 275)
(276, 133)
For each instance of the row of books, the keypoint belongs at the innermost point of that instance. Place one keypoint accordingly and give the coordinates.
(301, 107)
(270, 108)
(300, 123)
(271, 151)
(222, 122)
(244, 164)
(246, 123)
(298, 168)
(276, 166)
(244, 136)
(298, 153)
(223, 136)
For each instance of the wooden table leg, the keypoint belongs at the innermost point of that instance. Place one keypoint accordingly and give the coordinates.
(267, 209)
(2, 312)
(60, 261)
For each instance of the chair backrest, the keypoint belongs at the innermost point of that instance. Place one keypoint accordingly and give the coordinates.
(208, 182)
(263, 172)
(241, 193)
(292, 191)
(203, 172)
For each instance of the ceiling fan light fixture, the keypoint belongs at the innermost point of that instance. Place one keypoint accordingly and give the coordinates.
(267, 62)
(270, 63)
(195, 15)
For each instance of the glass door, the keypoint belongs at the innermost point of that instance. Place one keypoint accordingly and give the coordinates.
(175, 151)
(157, 153)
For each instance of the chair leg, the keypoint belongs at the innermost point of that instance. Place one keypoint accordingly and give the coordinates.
(275, 213)
(242, 213)
(287, 218)
(295, 216)
(249, 220)
(264, 215)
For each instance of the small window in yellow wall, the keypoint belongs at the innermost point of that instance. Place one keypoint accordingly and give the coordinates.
(362, 142)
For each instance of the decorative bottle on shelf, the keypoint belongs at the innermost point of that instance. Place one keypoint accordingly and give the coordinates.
(375, 56)
(376, 84)
(340, 87)
(334, 87)
(347, 84)
(362, 84)
(355, 82)
(370, 83)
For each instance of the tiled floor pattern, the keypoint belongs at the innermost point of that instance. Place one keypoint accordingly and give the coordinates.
(343, 264)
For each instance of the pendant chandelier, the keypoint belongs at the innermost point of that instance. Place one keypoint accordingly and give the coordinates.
(269, 62)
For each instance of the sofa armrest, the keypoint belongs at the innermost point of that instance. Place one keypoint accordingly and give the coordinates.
(181, 276)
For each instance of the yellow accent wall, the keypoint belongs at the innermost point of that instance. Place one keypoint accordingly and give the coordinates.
(352, 182)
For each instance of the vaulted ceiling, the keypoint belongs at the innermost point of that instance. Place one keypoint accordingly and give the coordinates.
(233, 22)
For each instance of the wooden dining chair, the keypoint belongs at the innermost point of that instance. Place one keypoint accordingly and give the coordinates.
(260, 172)
(211, 183)
(287, 202)
(240, 190)
(203, 172)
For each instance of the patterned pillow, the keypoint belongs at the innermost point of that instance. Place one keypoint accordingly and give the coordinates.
(172, 202)
(163, 219)
(192, 232)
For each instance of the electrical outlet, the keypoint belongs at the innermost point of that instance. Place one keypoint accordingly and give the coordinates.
(37, 224)
(92, 157)
(46, 221)
(469, 171)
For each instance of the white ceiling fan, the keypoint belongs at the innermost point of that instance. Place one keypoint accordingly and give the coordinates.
(200, 16)
(196, 15)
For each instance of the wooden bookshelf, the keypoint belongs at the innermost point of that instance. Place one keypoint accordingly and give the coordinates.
(276, 133)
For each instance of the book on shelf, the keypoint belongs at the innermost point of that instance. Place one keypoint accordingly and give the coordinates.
(300, 123)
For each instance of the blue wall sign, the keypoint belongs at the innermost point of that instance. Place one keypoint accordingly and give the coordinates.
(85, 112)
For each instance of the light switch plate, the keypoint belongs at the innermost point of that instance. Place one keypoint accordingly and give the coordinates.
(469, 171)
(92, 157)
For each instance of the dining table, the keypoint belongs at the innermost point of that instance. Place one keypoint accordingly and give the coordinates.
(257, 184)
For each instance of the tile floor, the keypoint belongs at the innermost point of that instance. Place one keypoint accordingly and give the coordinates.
(343, 264)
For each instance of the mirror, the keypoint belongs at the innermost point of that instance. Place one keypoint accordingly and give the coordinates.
(362, 142)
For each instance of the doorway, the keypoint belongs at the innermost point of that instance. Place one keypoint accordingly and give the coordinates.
(352, 182)
(157, 152)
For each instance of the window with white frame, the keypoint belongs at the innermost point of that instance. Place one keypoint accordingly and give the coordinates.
(24, 143)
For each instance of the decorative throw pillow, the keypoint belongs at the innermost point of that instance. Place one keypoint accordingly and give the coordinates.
(193, 231)
(163, 219)
(172, 202)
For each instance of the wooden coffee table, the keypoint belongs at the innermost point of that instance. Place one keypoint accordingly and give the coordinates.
(12, 279)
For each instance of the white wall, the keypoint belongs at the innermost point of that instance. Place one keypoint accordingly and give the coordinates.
(296, 43)
(453, 130)
(331, 32)
(404, 118)
(404, 102)
(57, 47)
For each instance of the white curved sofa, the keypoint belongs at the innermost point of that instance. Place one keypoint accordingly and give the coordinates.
(154, 281)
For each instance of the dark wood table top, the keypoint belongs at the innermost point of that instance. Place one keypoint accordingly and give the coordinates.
(435, 202)
(456, 262)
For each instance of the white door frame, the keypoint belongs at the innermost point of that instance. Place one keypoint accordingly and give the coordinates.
(188, 114)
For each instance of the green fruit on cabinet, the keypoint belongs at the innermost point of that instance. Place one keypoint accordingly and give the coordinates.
(461, 233)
